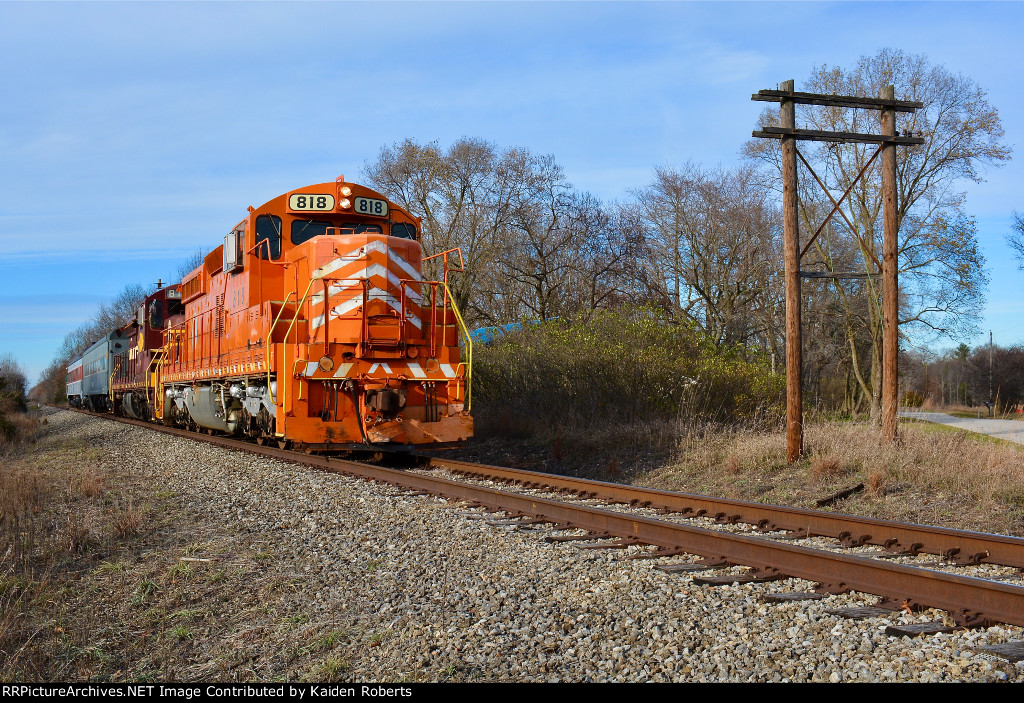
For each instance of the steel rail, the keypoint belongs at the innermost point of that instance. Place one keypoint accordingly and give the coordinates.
(971, 600)
(961, 546)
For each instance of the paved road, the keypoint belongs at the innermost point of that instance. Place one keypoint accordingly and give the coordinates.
(1011, 430)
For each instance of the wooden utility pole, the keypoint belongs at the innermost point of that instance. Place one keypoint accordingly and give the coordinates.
(890, 283)
(787, 97)
(791, 248)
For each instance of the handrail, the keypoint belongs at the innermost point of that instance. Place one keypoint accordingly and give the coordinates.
(298, 308)
(469, 346)
(110, 382)
(158, 397)
(462, 262)
(266, 349)
(301, 302)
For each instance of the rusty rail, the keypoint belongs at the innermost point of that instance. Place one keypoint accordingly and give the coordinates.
(959, 546)
(970, 600)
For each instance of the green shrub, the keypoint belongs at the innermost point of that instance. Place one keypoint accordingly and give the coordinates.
(621, 366)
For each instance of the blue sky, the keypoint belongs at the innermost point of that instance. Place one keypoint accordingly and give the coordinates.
(133, 133)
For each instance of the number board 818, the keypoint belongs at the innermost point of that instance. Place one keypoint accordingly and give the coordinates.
(371, 206)
(311, 201)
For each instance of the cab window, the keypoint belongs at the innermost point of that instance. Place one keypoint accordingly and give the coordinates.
(268, 229)
(156, 314)
(403, 229)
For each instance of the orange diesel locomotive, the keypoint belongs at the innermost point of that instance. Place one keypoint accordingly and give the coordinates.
(313, 327)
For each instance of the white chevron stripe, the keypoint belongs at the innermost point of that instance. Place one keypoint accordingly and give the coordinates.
(368, 272)
(357, 302)
(356, 254)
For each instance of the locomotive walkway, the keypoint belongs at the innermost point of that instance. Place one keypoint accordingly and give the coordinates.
(1010, 430)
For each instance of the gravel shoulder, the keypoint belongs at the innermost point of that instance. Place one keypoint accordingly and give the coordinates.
(247, 568)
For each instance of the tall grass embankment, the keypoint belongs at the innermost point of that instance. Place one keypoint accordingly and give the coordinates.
(935, 475)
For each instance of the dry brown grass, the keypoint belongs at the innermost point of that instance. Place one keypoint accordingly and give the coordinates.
(17, 430)
(92, 483)
(935, 475)
(876, 483)
(826, 467)
(127, 521)
(129, 584)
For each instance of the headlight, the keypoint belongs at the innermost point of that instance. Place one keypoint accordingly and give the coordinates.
(345, 203)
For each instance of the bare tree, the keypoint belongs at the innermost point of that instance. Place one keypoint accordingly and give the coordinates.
(1016, 237)
(13, 381)
(108, 317)
(712, 250)
(190, 263)
(534, 246)
(459, 194)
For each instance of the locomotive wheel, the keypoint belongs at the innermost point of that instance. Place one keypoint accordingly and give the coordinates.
(264, 422)
(245, 425)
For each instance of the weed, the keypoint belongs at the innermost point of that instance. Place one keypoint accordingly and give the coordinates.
(332, 668)
(181, 571)
(194, 548)
(181, 633)
(112, 567)
(377, 637)
(76, 534)
(324, 642)
(187, 614)
(127, 522)
(143, 591)
(92, 484)
(372, 565)
(612, 470)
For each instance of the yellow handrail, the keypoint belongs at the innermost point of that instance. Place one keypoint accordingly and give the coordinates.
(110, 383)
(469, 345)
(266, 348)
(298, 307)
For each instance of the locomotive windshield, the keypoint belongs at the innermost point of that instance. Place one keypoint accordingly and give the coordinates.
(304, 230)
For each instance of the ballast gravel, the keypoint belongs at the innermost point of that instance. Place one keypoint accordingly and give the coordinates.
(456, 598)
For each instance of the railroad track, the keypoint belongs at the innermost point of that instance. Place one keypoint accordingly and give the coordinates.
(664, 524)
